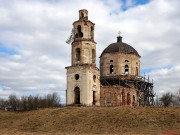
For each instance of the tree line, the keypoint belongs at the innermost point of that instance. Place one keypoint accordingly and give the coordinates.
(30, 102)
(168, 99)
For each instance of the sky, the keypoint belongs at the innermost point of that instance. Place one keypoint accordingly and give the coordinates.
(34, 54)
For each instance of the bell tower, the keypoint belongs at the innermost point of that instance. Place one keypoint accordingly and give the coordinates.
(83, 85)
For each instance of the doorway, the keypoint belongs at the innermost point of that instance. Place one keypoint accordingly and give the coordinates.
(77, 95)
(94, 97)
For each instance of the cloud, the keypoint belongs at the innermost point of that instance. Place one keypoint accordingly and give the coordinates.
(37, 31)
(166, 79)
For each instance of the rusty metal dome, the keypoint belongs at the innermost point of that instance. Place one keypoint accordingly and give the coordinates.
(120, 47)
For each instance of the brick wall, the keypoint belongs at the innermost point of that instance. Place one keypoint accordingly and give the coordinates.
(117, 96)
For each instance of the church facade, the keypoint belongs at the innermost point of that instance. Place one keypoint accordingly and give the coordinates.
(111, 84)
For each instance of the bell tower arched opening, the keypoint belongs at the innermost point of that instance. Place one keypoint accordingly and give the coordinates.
(80, 34)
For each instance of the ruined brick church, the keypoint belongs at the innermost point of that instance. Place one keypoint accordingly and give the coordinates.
(116, 83)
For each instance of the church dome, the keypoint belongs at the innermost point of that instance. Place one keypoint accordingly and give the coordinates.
(121, 47)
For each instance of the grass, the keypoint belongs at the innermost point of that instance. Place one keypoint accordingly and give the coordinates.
(92, 120)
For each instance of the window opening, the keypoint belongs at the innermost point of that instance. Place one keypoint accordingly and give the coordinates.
(126, 69)
(128, 99)
(123, 97)
(111, 69)
(80, 34)
(94, 78)
(76, 76)
(134, 100)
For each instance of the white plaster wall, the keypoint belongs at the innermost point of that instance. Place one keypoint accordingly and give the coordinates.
(85, 83)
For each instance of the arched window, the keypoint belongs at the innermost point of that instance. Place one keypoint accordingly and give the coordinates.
(134, 101)
(80, 34)
(76, 95)
(94, 78)
(134, 98)
(123, 97)
(111, 69)
(126, 69)
(78, 54)
(93, 56)
(128, 99)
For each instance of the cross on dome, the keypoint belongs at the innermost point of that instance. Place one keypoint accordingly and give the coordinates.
(119, 33)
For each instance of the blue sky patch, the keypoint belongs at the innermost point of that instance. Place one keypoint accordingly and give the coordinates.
(6, 50)
(1, 87)
(148, 70)
(140, 2)
(131, 3)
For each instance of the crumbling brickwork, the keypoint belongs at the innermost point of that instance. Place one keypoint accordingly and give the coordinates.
(117, 96)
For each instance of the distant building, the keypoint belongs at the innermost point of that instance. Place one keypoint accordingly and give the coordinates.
(118, 82)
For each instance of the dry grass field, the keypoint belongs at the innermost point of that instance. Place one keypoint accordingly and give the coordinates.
(92, 120)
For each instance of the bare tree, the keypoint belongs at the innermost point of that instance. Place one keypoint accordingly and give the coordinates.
(56, 99)
(36, 102)
(176, 98)
(53, 100)
(13, 101)
(167, 99)
(30, 102)
(3, 104)
(24, 103)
